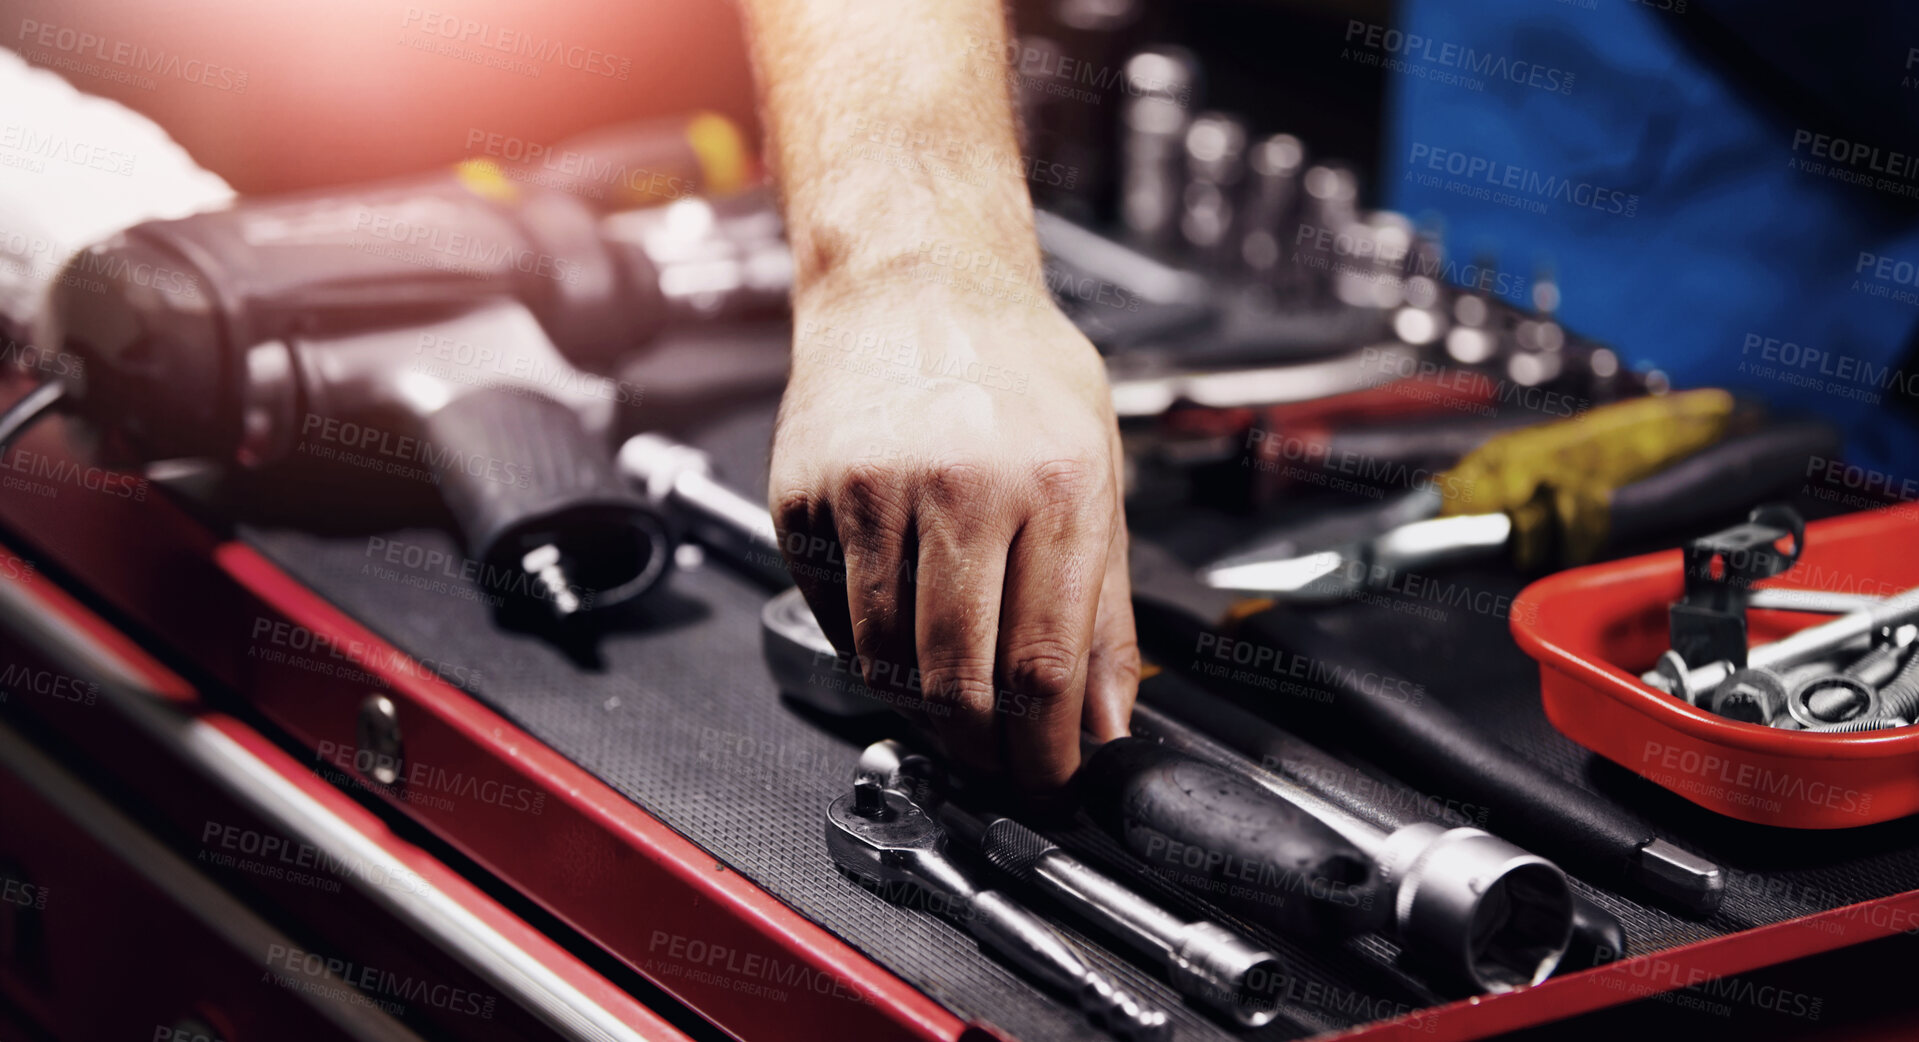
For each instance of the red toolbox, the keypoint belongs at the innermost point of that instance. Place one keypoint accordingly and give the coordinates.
(604, 865)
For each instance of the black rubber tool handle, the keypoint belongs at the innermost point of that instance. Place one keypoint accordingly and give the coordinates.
(518, 472)
(1724, 480)
(1321, 681)
(1222, 836)
(1597, 934)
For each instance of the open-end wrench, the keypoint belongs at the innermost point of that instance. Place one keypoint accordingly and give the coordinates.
(884, 838)
(1696, 684)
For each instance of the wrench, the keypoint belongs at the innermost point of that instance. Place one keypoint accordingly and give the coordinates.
(1204, 961)
(883, 837)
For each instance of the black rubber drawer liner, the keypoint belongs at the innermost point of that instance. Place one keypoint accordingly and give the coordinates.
(679, 715)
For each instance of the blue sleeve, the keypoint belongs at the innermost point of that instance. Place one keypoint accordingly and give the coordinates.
(1692, 220)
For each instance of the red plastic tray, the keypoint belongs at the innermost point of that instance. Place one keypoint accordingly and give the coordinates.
(1595, 629)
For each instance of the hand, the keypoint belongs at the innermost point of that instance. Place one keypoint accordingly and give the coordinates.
(958, 457)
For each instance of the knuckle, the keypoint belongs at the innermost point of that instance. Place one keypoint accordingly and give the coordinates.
(875, 631)
(1122, 659)
(793, 509)
(959, 682)
(1044, 668)
(957, 487)
(868, 500)
(1070, 479)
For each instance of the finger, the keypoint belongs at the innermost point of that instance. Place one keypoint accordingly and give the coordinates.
(1053, 574)
(875, 521)
(962, 567)
(1112, 668)
(810, 544)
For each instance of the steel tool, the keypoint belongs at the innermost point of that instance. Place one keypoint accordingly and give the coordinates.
(1476, 912)
(1274, 166)
(1165, 700)
(1696, 684)
(1215, 150)
(1160, 84)
(678, 480)
(1538, 524)
(889, 841)
(1204, 961)
(1349, 692)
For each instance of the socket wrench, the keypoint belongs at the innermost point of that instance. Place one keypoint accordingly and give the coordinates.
(1204, 961)
(1478, 912)
(884, 838)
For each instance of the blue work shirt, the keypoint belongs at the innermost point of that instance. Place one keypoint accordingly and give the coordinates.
(1728, 192)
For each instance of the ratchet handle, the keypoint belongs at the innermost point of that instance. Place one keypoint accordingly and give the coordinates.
(1217, 833)
(1427, 743)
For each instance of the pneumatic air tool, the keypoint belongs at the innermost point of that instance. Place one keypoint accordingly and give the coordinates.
(455, 327)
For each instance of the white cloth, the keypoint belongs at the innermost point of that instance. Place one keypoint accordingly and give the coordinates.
(74, 169)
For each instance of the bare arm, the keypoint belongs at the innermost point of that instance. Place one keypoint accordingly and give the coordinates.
(945, 427)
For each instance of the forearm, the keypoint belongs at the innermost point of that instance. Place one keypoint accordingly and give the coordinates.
(872, 110)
